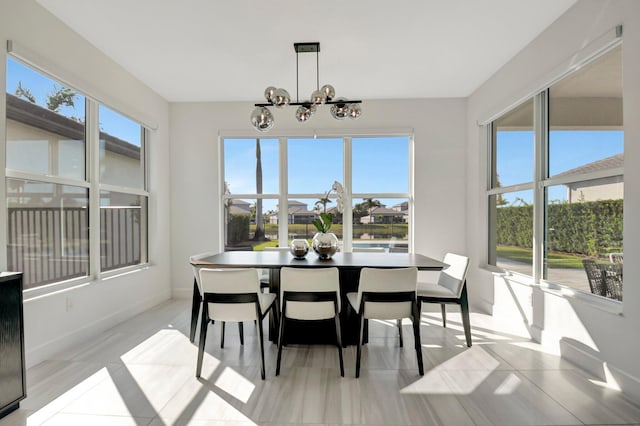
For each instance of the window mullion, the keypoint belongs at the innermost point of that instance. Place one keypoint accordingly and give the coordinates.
(347, 210)
(540, 123)
(93, 177)
(283, 204)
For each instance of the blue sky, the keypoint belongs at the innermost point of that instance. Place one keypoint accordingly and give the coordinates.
(379, 165)
(567, 149)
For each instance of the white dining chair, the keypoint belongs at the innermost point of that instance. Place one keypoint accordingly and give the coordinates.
(197, 300)
(232, 295)
(309, 295)
(450, 288)
(387, 294)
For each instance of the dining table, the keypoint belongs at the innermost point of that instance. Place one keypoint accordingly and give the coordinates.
(349, 266)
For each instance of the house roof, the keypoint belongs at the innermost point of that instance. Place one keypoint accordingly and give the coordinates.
(34, 115)
(612, 162)
(384, 211)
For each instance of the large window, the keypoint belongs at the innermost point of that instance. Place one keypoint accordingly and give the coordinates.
(576, 196)
(54, 189)
(275, 188)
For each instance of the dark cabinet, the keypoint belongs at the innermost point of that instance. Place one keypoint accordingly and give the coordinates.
(12, 374)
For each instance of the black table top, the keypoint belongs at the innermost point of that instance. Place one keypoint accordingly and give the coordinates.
(263, 259)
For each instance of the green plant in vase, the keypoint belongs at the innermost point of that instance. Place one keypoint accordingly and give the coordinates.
(325, 243)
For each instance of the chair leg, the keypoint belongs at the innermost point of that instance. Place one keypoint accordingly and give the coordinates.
(222, 336)
(280, 342)
(203, 335)
(416, 337)
(443, 308)
(464, 307)
(360, 339)
(195, 309)
(339, 344)
(241, 331)
(261, 341)
(400, 332)
(365, 333)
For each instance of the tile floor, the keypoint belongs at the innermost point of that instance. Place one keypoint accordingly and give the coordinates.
(142, 372)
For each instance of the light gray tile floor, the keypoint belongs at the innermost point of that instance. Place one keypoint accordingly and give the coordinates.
(142, 372)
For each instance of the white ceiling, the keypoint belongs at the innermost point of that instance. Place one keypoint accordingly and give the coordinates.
(214, 50)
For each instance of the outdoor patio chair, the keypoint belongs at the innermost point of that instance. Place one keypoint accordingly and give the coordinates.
(595, 276)
(616, 257)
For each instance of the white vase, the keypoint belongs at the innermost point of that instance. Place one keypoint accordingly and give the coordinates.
(325, 244)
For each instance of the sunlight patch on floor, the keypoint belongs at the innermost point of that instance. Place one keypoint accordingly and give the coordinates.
(235, 384)
(509, 385)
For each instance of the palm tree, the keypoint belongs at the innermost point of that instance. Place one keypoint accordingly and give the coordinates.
(369, 204)
(259, 234)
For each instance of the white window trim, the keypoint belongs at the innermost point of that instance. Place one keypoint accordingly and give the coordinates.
(92, 178)
(604, 44)
(284, 196)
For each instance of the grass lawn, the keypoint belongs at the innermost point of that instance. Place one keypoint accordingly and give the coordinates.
(555, 260)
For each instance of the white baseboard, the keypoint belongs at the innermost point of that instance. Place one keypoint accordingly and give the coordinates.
(536, 333)
(182, 293)
(482, 306)
(604, 371)
(48, 349)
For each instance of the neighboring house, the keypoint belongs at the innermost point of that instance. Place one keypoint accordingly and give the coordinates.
(52, 137)
(609, 188)
(383, 214)
(297, 213)
(403, 208)
(240, 207)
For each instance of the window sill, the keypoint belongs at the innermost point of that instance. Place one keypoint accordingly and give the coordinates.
(597, 302)
(558, 290)
(64, 286)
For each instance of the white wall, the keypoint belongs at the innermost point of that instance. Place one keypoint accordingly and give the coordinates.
(440, 176)
(593, 336)
(55, 321)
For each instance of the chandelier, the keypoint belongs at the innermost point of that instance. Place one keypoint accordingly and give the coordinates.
(341, 108)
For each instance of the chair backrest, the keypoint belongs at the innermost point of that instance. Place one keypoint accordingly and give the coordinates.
(612, 274)
(453, 276)
(595, 276)
(377, 280)
(367, 249)
(310, 280)
(226, 281)
(616, 257)
(276, 249)
(196, 269)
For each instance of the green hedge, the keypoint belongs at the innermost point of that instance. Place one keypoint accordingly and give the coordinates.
(589, 228)
(238, 228)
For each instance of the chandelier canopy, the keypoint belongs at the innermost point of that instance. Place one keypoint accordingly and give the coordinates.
(341, 108)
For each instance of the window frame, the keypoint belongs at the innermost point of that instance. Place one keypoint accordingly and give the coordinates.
(283, 196)
(91, 183)
(539, 185)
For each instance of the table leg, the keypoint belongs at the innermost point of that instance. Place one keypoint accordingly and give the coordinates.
(274, 287)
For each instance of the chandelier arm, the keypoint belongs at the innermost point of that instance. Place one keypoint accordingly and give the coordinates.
(297, 78)
(318, 69)
(348, 101)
